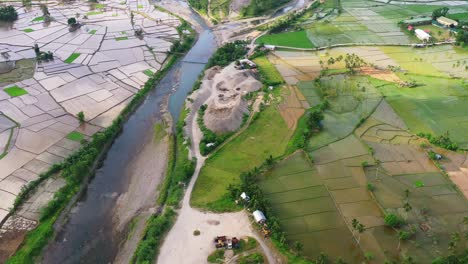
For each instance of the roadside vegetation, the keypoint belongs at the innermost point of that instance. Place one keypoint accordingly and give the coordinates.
(76, 169)
(260, 7)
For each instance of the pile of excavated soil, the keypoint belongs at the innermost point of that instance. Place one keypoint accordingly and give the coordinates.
(226, 107)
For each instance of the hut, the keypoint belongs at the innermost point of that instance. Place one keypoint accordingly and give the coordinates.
(259, 217)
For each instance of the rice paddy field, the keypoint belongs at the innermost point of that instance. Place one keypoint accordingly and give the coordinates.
(363, 21)
(367, 161)
(297, 39)
(351, 99)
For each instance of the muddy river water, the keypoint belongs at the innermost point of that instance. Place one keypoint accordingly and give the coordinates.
(90, 234)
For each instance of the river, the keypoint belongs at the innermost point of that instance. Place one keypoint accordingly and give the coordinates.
(89, 235)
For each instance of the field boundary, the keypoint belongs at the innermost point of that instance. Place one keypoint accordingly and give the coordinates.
(365, 44)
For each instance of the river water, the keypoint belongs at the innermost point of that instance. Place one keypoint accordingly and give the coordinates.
(89, 235)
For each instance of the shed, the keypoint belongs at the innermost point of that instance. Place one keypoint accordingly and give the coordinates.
(244, 196)
(270, 47)
(259, 217)
(422, 35)
(445, 21)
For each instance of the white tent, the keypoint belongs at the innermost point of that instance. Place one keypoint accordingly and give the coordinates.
(259, 217)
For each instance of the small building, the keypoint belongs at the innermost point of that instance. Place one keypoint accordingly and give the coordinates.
(259, 217)
(248, 62)
(245, 197)
(422, 35)
(447, 22)
(270, 47)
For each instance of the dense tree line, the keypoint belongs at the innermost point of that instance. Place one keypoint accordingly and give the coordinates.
(199, 5)
(258, 7)
(8, 14)
(228, 53)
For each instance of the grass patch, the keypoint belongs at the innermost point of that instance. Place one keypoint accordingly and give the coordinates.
(92, 32)
(99, 6)
(148, 72)
(72, 58)
(140, 6)
(92, 13)
(15, 91)
(297, 39)
(268, 71)
(28, 30)
(216, 257)
(121, 38)
(75, 136)
(37, 19)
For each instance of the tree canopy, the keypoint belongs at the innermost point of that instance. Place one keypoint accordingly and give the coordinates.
(8, 14)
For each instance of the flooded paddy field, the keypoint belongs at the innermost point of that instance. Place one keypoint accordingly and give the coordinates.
(368, 163)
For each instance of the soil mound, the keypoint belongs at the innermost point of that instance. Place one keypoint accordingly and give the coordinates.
(226, 107)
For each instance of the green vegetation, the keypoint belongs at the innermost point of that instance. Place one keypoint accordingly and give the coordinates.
(75, 169)
(28, 30)
(92, 13)
(157, 227)
(269, 73)
(37, 19)
(71, 21)
(251, 243)
(8, 14)
(81, 117)
(72, 57)
(255, 258)
(351, 99)
(308, 125)
(200, 5)
(443, 140)
(15, 91)
(296, 39)
(259, 7)
(92, 32)
(210, 139)
(217, 256)
(121, 38)
(99, 6)
(393, 220)
(75, 136)
(186, 41)
(228, 53)
(148, 72)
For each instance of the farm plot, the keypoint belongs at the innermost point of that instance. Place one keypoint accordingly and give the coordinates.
(306, 209)
(435, 208)
(437, 106)
(351, 100)
(435, 61)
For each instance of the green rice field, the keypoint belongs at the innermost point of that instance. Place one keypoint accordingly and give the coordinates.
(75, 136)
(267, 69)
(92, 32)
(121, 38)
(72, 57)
(15, 91)
(297, 39)
(37, 19)
(28, 30)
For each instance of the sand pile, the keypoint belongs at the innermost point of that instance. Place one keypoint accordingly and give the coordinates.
(226, 107)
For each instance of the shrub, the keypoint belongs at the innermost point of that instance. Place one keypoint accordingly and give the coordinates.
(81, 117)
(216, 257)
(71, 21)
(393, 220)
(8, 14)
(196, 232)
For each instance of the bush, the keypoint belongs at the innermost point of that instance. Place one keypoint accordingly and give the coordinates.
(255, 258)
(81, 117)
(8, 14)
(71, 21)
(216, 257)
(196, 232)
(393, 220)
(228, 53)
(443, 140)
